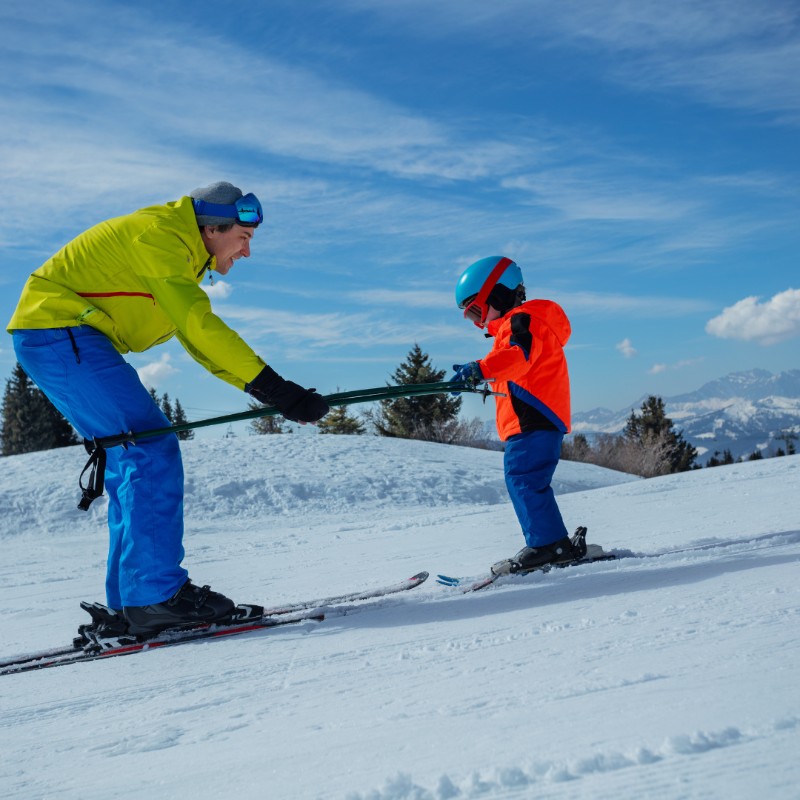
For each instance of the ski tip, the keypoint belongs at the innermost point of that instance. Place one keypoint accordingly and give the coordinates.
(420, 577)
(446, 580)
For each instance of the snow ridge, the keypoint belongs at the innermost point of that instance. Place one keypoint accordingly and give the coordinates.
(518, 781)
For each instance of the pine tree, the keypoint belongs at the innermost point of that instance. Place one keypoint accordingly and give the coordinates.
(30, 421)
(174, 414)
(340, 421)
(265, 425)
(727, 457)
(179, 418)
(788, 438)
(166, 407)
(653, 432)
(576, 449)
(717, 461)
(432, 417)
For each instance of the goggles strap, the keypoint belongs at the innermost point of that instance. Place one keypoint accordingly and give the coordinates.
(215, 209)
(489, 284)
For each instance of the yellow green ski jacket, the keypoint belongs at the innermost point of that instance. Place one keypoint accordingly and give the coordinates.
(137, 280)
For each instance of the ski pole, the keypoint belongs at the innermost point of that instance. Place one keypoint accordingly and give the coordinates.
(96, 447)
(338, 399)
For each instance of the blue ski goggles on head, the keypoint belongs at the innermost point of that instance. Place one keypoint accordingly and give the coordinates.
(246, 210)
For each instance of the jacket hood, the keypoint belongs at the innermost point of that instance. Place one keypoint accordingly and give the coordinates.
(546, 311)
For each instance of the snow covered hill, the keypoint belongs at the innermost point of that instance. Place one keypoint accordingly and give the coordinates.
(741, 412)
(671, 672)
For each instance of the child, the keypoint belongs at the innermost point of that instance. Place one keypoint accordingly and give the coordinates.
(528, 365)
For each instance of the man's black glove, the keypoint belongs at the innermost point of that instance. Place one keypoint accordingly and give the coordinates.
(293, 401)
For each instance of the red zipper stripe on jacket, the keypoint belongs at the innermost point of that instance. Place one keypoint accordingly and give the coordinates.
(116, 294)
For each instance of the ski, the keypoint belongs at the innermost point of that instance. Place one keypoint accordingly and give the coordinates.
(466, 585)
(89, 647)
(128, 645)
(592, 553)
(350, 597)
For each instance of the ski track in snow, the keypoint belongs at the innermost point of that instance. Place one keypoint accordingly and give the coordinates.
(669, 673)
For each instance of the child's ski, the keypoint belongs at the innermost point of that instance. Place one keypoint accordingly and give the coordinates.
(591, 552)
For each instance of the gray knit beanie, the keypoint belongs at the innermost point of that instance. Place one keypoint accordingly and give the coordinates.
(223, 193)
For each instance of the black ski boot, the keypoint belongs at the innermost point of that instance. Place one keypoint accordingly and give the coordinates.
(190, 605)
(564, 551)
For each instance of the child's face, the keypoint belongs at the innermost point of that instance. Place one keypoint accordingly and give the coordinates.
(493, 314)
(473, 313)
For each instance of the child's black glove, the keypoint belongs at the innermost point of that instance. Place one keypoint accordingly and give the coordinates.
(292, 400)
(469, 373)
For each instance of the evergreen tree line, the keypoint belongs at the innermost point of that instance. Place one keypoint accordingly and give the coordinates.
(726, 457)
(174, 413)
(31, 422)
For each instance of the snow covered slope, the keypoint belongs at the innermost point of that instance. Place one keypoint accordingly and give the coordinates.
(669, 673)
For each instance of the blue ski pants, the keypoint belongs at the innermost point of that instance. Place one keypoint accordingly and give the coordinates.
(530, 460)
(93, 386)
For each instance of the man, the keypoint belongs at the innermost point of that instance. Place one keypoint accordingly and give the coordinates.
(124, 285)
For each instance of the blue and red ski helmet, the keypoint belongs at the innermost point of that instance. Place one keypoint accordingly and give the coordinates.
(479, 280)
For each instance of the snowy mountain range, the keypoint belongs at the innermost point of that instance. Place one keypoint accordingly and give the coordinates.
(740, 412)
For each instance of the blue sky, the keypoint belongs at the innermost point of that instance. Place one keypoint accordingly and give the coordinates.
(639, 160)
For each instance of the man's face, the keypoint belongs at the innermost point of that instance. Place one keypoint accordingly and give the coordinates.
(227, 246)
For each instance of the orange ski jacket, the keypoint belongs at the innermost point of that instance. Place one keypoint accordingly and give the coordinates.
(528, 364)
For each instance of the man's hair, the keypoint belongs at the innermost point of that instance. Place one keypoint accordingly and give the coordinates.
(221, 228)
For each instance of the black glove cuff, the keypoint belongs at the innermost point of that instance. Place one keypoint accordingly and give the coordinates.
(264, 386)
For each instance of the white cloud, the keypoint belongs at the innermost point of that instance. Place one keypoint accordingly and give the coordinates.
(649, 306)
(626, 348)
(152, 374)
(423, 298)
(657, 369)
(767, 323)
(219, 290)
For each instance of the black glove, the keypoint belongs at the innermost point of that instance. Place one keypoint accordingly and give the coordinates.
(293, 401)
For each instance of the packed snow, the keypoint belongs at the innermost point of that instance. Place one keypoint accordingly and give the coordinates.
(669, 673)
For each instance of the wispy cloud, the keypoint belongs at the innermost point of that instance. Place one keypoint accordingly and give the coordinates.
(626, 348)
(323, 331)
(291, 111)
(657, 369)
(751, 320)
(219, 290)
(602, 303)
(154, 374)
(588, 194)
(631, 305)
(90, 143)
(400, 299)
(725, 53)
